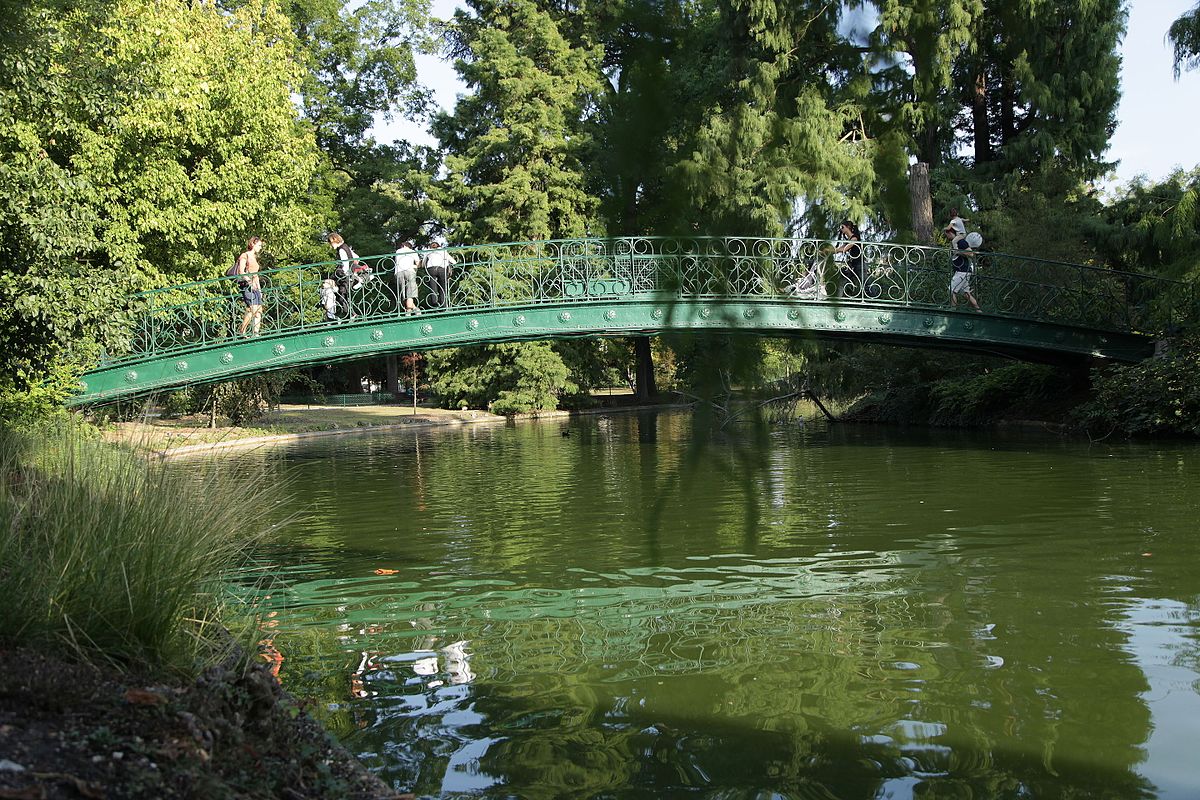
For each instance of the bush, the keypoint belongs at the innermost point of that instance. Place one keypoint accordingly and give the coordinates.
(116, 556)
(179, 403)
(1012, 391)
(1159, 396)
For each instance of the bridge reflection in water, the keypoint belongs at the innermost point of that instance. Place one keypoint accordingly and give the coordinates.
(1032, 309)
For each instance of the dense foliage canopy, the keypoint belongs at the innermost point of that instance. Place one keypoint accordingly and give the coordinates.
(143, 142)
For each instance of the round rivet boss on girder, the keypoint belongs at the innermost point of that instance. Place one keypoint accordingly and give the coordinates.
(426, 329)
(328, 341)
(968, 326)
(130, 376)
(749, 313)
(884, 319)
(377, 335)
(279, 349)
(794, 315)
(226, 358)
(181, 366)
(839, 315)
(610, 315)
(657, 313)
(472, 324)
(1016, 330)
(564, 316)
(519, 320)
(706, 312)
(927, 322)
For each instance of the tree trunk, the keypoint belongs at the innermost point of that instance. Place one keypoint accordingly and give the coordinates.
(393, 375)
(1008, 126)
(922, 203)
(645, 368)
(979, 115)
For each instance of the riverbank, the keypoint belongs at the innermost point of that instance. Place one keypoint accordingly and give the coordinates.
(70, 730)
(118, 677)
(184, 436)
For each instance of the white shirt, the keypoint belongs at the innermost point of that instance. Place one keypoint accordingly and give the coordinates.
(407, 259)
(438, 258)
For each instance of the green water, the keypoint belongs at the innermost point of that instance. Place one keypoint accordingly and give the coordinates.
(633, 610)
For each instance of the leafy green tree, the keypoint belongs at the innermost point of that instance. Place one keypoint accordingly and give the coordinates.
(1155, 226)
(1026, 103)
(507, 378)
(358, 67)
(140, 143)
(911, 55)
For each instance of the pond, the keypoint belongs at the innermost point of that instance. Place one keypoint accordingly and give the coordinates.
(629, 606)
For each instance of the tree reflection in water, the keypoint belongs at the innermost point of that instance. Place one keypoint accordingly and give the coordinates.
(598, 615)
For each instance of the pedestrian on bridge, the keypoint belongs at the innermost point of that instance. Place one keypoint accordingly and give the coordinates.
(960, 279)
(247, 271)
(407, 261)
(438, 264)
(351, 273)
(852, 273)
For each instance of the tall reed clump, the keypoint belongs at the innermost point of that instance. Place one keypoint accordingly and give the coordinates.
(118, 557)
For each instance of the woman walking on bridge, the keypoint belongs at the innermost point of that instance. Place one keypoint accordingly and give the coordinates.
(853, 276)
(247, 271)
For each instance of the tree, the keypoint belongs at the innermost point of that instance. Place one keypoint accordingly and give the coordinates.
(359, 65)
(514, 172)
(1185, 38)
(514, 146)
(1026, 103)
(141, 143)
(513, 378)
(1156, 226)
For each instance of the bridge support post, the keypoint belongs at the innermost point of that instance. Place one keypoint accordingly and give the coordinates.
(644, 375)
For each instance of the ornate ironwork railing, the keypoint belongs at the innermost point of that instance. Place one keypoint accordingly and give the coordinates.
(184, 317)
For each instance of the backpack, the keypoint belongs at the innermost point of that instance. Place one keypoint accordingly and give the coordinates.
(232, 272)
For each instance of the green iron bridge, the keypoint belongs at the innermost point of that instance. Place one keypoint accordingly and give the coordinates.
(1032, 309)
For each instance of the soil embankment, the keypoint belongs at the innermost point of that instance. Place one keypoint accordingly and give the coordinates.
(71, 730)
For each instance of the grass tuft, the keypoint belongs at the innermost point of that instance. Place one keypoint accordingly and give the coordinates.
(117, 557)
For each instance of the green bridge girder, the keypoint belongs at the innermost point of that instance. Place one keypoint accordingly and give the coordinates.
(1033, 310)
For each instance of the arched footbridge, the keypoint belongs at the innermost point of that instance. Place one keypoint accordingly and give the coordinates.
(1031, 309)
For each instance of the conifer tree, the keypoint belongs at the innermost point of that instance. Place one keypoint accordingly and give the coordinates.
(1041, 84)
(514, 172)
(1185, 38)
(515, 144)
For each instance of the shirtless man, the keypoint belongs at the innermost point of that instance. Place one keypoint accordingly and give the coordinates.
(247, 270)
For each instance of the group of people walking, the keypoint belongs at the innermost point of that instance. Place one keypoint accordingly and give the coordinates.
(350, 275)
(339, 289)
(854, 281)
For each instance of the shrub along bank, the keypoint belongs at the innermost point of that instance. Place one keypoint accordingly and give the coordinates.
(1158, 397)
(118, 676)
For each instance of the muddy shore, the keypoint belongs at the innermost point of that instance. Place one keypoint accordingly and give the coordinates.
(71, 730)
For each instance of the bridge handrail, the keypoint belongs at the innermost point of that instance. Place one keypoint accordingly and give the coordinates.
(224, 280)
(193, 314)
